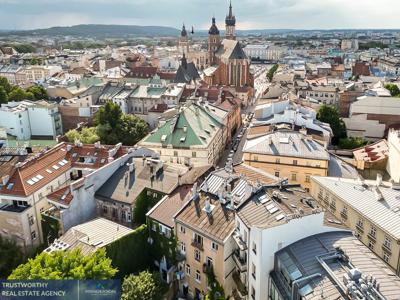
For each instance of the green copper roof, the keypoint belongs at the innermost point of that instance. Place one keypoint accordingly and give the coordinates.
(193, 126)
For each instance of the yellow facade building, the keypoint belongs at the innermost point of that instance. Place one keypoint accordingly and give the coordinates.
(288, 154)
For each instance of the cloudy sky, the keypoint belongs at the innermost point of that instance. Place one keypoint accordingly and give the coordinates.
(250, 14)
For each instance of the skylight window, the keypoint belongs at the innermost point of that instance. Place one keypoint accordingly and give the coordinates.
(34, 179)
(65, 161)
(30, 182)
(55, 167)
(49, 171)
(39, 176)
(61, 163)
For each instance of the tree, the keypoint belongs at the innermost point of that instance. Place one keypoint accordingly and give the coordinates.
(393, 89)
(39, 92)
(66, 265)
(5, 84)
(11, 256)
(132, 129)
(330, 114)
(271, 72)
(3, 95)
(113, 126)
(109, 114)
(18, 94)
(144, 286)
(87, 135)
(352, 143)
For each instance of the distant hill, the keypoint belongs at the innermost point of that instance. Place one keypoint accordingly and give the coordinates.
(93, 30)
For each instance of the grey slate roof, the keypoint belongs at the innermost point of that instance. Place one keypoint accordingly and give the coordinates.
(362, 198)
(286, 143)
(301, 256)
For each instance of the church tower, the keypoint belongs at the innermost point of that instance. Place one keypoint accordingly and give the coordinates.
(214, 42)
(183, 42)
(230, 23)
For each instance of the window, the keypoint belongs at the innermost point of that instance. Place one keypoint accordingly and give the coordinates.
(193, 154)
(255, 158)
(183, 247)
(253, 270)
(278, 161)
(182, 229)
(307, 178)
(253, 293)
(198, 276)
(154, 227)
(295, 162)
(209, 262)
(214, 246)
(187, 269)
(30, 220)
(372, 232)
(197, 255)
(386, 257)
(254, 247)
(198, 239)
(294, 177)
(360, 223)
(33, 235)
(371, 245)
(388, 242)
(175, 153)
(276, 174)
(105, 209)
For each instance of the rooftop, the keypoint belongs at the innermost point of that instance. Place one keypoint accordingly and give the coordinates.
(90, 236)
(311, 256)
(373, 152)
(379, 204)
(286, 143)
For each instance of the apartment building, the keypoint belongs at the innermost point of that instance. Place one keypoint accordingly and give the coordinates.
(325, 265)
(369, 208)
(31, 119)
(195, 136)
(287, 154)
(390, 65)
(264, 52)
(324, 94)
(272, 218)
(394, 155)
(371, 117)
(15, 74)
(40, 73)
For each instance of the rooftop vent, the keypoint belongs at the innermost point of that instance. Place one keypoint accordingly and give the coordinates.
(163, 138)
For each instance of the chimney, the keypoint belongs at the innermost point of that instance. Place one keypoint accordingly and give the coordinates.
(207, 206)
(194, 191)
(69, 147)
(378, 179)
(378, 194)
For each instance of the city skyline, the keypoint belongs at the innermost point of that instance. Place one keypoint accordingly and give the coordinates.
(251, 14)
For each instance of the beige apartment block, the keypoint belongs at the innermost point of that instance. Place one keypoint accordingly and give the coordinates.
(370, 208)
(288, 154)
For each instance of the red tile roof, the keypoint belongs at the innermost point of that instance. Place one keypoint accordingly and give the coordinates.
(62, 196)
(38, 171)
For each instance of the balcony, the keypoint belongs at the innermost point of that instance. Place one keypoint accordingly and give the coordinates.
(343, 215)
(360, 228)
(386, 249)
(241, 262)
(197, 245)
(371, 236)
(239, 241)
(241, 287)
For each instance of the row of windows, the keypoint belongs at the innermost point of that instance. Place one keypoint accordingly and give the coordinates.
(198, 239)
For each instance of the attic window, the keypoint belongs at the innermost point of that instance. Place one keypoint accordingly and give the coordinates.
(39, 176)
(183, 139)
(163, 138)
(55, 167)
(203, 137)
(30, 182)
(49, 171)
(207, 131)
(212, 125)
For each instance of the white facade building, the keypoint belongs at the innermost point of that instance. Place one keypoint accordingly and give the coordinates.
(394, 155)
(27, 119)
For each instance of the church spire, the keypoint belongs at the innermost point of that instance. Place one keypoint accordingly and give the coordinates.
(230, 23)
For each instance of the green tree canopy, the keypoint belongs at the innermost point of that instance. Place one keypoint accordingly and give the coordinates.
(3, 95)
(39, 92)
(330, 114)
(18, 94)
(11, 256)
(352, 143)
(113, 126)
(144, 286)
(5, 84)
(393, 89)
(66, 265)
(271, 72)
(87, 135)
